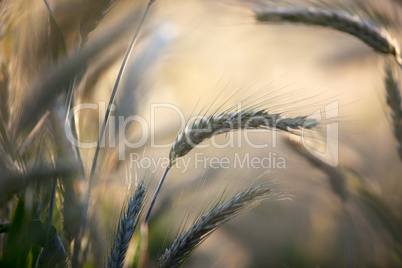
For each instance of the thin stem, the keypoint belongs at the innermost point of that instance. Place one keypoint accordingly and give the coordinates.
(76, 251)
(54, 186)
(70, 95)
(71, 85)
(105, 121)
(49, 9)
(113, 95)
(77, 240)
(348, 237)
(52, 198)
(156, 194)
(143, 247)
(72, 123)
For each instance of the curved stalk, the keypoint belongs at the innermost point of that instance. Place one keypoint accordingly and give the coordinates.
(113, 95)
(156, 194)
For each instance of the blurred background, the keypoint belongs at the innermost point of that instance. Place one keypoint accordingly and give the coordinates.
(201, 56)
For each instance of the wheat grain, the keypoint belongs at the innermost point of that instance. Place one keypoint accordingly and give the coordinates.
(394, 102)
(127, 225)
(187, 242)
(206, 127)
(374, 36)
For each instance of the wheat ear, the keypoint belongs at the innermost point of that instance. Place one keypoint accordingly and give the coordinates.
(128, 223)
(187, 242)
(374, 36)
(394, 102)
(206, 127)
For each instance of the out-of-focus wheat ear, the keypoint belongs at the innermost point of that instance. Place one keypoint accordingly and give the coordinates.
(87, 85)
(51, 83)
(398, 2)
(6, 146)
(3, 17)
(372, 35)
(335, 176)
(394, 103)
(128, 223)
(34, 133)
(215, 124)
(4, 94)
(12, 182)
(187, 242)
(93, 14)
(59, 50)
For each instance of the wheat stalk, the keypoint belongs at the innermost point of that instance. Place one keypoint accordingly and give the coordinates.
(128, 223)
(114, 91)
(187, 242)
(206, 127)
(394, 102)
(374, 36)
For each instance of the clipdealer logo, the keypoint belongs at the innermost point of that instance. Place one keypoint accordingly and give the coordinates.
(330, 154)
(117, 127)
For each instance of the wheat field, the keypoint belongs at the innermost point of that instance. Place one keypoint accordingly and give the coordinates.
(237, 133)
